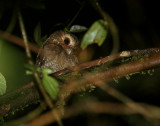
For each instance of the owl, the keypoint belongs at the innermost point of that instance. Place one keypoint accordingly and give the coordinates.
(58, 52)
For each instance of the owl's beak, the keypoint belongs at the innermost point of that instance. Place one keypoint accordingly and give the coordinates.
(68, 50)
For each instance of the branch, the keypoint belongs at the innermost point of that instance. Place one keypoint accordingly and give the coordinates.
(74, 86)
(19, 98)
(117, 72)
(124, 99)
(120, 71)
(107, 59)
(97, 108)
(18, 41)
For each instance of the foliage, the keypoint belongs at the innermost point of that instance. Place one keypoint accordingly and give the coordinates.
(50, 84)
(37, 35)
(2, 84)
(96, 34)
(77, 28)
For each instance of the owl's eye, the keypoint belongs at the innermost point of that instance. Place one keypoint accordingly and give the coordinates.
(67, 41)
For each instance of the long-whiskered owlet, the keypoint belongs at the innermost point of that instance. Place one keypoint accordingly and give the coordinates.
(58, 52)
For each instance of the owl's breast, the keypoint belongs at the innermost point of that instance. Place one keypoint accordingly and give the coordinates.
(56, 60)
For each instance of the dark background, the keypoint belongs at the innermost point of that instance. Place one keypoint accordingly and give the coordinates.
(137, 20)
(138, 26)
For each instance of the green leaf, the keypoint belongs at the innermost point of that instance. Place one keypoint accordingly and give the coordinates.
(2, 84)
(51, 86)
(37, 34)
(97, 33)
(46, 71)
(28, 72)
(30, 67)
(77, 28)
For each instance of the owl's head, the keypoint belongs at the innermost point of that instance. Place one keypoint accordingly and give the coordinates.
(64, 39)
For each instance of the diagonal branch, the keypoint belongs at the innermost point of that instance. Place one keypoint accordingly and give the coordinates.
(116, 72)
(108, 59)
(19, 98)
(18, 41)
(97, 108)
(74, 86)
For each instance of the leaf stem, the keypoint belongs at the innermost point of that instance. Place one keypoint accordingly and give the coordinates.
(74, 18)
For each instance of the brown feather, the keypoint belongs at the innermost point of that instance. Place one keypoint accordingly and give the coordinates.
(59, 51)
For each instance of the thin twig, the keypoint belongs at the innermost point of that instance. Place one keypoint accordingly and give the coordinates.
(12, 21)
(97, 108)
(18, 41)
(74, 18)
(46, 97)
(112, 26)
(24, 35)
(126, 100)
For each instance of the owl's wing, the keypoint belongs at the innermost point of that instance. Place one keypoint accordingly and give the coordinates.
(47, 54)
(41, 59)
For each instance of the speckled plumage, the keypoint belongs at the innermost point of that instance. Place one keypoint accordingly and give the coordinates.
(59, 51)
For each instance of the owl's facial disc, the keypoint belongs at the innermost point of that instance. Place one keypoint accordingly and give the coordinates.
(69, 43)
